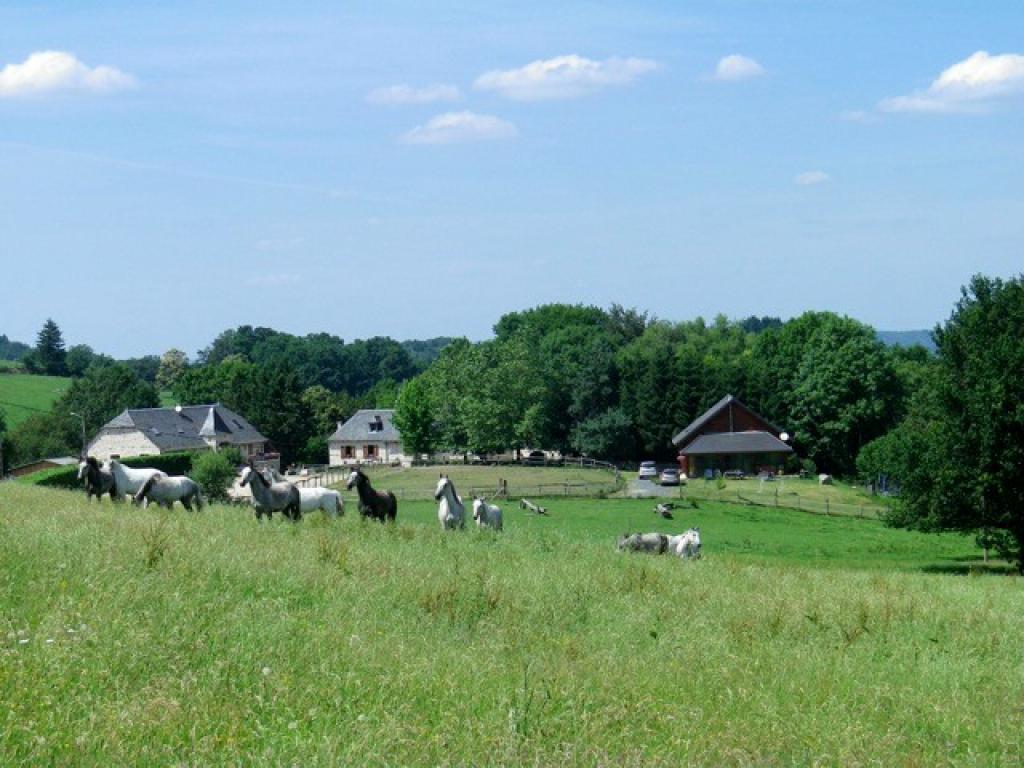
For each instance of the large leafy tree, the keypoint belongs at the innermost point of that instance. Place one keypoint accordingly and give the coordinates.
(80, 357)
(414, 416)
(846, 394)
(173, 364)
(962, 445)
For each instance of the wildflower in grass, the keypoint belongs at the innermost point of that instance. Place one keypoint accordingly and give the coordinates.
(266, 671)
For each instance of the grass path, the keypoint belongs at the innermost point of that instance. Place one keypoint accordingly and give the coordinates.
(152, 638)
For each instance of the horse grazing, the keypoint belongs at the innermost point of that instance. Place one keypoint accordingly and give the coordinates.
(451, 512)
(379, 506)
(486, 515)
(311, 499)
(650, 543)
(167, 490)
(686, 545)
(128, 481)
(98, 480)
(269, 497)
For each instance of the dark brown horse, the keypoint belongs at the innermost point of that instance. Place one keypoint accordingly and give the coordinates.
(98, 480)
(379, 506)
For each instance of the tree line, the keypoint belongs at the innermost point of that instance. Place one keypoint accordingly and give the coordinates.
(618, 384)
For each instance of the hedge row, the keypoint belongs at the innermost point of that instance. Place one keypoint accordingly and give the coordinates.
(179, 463)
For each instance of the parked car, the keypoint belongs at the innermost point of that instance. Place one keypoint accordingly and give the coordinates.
(734, 474)
(648, 470)
(669, 476)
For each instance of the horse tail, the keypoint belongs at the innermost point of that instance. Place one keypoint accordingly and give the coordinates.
(392, 511)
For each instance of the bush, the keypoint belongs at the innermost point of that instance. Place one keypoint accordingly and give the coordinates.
(214, 472)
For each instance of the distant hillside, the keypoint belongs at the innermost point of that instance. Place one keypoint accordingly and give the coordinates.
(907, 339)
(22, 395)
(427, 351)
(12, 350)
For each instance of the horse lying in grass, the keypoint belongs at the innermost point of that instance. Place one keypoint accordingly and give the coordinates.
(651, 543)
(379, 505)
(486, 515)
(311, 499)
(684, 545)
(165, 491)
(451, 512)
(269, 497)
(97, 479)
(128, 481)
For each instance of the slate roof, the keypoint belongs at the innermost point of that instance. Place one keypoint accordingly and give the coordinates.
(754, 441)
(697, 424)
(357, 428)
(171, 429)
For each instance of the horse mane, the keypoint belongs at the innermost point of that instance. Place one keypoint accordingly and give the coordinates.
(262, 479)
(92, 462)
(146, 486)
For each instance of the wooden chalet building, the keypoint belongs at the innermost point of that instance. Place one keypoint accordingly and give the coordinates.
(729, 435)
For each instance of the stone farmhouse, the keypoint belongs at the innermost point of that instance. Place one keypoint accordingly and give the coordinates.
(368, 437)
(729, 435)
(148, 431)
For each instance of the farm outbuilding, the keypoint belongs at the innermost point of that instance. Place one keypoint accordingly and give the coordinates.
(149, 431)
(730, 435)
(368, 437)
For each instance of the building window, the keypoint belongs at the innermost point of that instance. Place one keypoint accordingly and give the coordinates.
(370, 451)
(349, 452)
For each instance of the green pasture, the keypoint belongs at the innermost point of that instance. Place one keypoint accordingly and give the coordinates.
(21, 394)
(145, 637)
(528, 481)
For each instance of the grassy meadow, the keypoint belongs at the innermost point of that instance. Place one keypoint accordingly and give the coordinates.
(151, 638)
(22, 394)
(528, 481)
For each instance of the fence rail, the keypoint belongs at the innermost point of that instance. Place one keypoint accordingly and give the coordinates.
(790, 500)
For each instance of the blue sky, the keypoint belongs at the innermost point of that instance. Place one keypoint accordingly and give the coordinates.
(412, 169)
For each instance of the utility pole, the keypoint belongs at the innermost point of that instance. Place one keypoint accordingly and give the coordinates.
(82, 419)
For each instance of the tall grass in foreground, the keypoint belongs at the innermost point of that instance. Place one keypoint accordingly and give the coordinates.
(151, 638)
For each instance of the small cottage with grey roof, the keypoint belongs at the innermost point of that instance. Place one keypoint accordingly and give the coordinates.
(369, 437)
(730, 435)
(148, 431)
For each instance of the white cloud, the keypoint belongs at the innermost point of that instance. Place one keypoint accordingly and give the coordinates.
(46, 71)
(811, 178)
(563, 77)
(397, 95)
(967, 86)
(458, 127)
(737, 67)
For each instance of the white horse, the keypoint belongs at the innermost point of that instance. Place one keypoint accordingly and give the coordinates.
(685, 545)
(315, 498)
(167, 490)
(128, 481)
(451, 512)
(486, 515)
